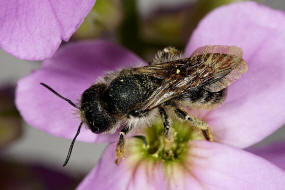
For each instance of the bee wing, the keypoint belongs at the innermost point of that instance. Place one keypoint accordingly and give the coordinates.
(228, 67)
(164, 70)
(171, 85)
(165, 92)
(227, 70)
(212, 71)
(221, 49)
(226, 77)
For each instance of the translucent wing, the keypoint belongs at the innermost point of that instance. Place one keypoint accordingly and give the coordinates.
(231, 63)
(235, 72)
(206, 68)
(167, 91)
(164, 70)
(221, 49)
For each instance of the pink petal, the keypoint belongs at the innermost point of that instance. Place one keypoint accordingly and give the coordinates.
(275, 153)
(211, 166)
(254, 107)
(34, 29)
(223, 167)
(71, 71)
(108, 176)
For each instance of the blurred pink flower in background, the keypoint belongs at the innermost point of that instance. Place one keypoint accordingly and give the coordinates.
(273, 152)
(34, 29)
(253, 109)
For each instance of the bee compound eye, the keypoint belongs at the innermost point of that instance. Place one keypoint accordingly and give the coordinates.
(95, 129)
(99, 124)
(137, 113)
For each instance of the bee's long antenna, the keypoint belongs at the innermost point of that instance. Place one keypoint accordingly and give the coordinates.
(53, 91)
(71, 145)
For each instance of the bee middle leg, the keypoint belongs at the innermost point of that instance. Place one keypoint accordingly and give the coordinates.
(165, 120)
(196, 122)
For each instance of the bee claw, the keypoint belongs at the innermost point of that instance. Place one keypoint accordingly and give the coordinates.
(117, 161)
(208, 134)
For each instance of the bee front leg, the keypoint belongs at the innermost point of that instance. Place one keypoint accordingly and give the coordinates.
(165, 120)
(207, 133)
(120, 149)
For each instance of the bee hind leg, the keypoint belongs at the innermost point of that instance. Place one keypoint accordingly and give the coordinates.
(165, 55)
(120, 148)
(207, 133)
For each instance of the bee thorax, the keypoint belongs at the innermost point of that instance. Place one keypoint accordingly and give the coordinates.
(127, 93)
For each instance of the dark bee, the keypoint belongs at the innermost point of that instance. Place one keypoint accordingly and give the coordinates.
(126, 97)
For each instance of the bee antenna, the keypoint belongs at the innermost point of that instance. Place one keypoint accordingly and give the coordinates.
(56, 93)
(71, 145)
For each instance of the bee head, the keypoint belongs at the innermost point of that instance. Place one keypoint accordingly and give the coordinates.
(93, 112)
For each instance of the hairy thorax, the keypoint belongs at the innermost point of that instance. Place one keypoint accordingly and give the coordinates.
(126, 93)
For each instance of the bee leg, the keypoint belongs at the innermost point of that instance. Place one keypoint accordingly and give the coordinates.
(121, 144)
(165, 55)
(165, 120)
(207, 133)
(141, 137)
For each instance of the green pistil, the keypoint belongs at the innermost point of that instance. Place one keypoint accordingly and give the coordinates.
(168, 149)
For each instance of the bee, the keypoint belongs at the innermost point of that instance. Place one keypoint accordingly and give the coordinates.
(170, 82)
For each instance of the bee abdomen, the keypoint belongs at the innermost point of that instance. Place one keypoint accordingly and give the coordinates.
(202, 97)
(213, 97)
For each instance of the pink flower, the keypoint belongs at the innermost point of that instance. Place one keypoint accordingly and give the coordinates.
(34, 29)
(253, 109)
(274, 153)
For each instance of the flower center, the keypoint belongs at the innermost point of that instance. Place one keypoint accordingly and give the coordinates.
(156, 146)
